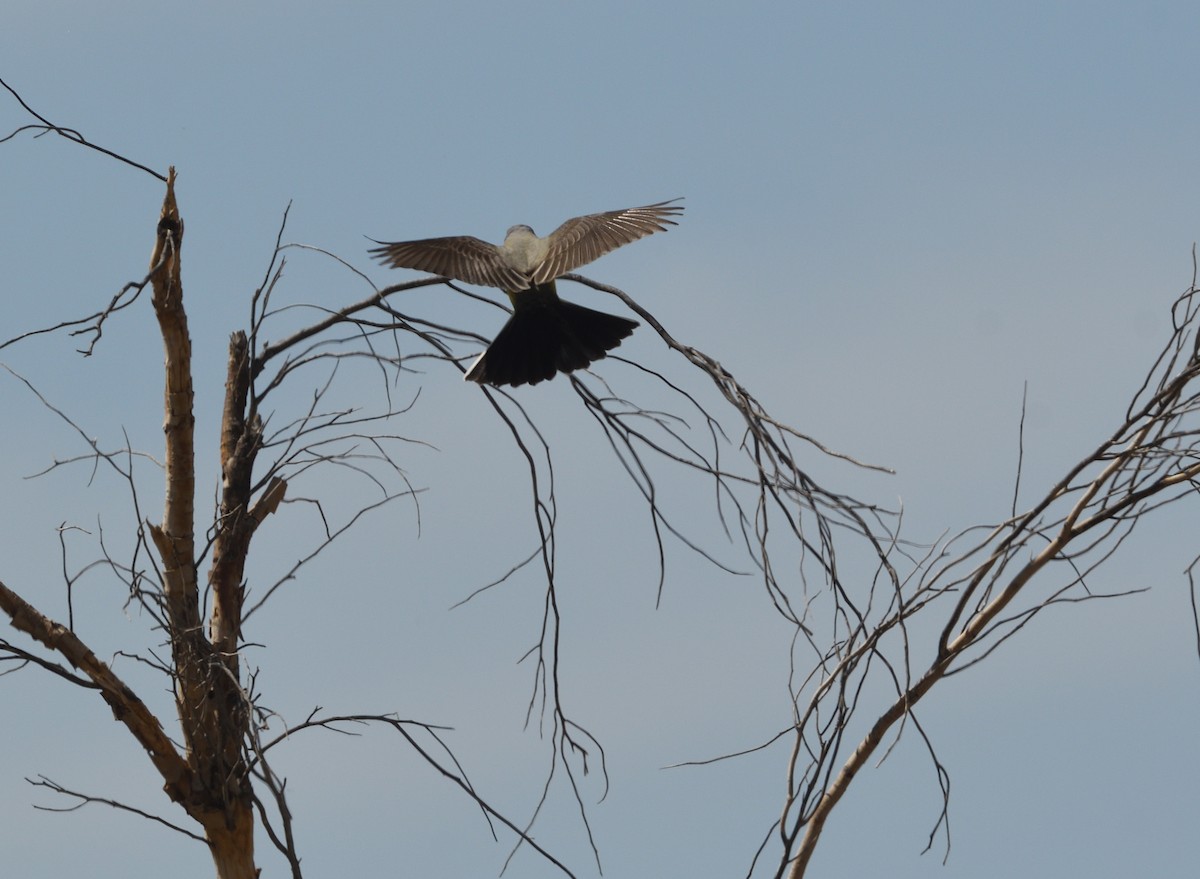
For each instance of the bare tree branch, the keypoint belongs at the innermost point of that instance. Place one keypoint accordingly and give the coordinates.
(48, 127)
(86, 799)
(127, 707)
(1151, 460)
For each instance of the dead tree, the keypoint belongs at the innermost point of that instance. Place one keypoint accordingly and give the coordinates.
(808, 544)
(219, 771)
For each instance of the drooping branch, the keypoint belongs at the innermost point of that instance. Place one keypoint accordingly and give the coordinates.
(454, 772)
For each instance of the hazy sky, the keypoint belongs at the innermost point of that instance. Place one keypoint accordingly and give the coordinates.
(898, 214)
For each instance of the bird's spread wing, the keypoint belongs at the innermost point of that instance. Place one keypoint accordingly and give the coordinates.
(464, 258)
(579, 241)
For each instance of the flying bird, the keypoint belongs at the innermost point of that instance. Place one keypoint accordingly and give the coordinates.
(545, 335)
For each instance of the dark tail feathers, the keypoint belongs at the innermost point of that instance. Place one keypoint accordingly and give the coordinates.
(551, 337)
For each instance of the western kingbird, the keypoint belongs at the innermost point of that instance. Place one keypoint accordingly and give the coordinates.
(545, 334)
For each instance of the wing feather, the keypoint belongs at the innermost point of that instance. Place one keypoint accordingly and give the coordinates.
(579, 241)
(462, 257)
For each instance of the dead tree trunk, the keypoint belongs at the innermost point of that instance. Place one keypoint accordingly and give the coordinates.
(213, 709)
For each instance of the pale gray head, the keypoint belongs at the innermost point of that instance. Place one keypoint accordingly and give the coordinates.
(520, 227)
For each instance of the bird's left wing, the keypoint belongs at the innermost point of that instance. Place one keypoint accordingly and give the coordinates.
(462, 257)
(579, 241)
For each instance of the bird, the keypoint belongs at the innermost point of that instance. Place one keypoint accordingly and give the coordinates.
(545, 335)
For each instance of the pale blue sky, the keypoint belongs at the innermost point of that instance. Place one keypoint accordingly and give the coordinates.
(897, 214)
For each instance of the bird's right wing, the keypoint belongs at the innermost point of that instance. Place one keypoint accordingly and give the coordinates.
(579, 241)
(463, 257)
